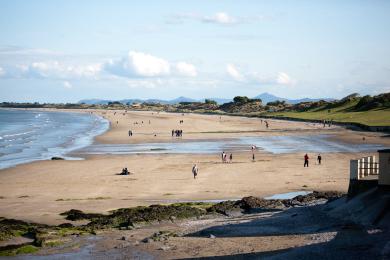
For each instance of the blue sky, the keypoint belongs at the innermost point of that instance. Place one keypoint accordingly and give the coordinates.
(64, 51)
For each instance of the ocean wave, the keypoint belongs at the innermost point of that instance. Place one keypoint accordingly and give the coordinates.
(53, 134)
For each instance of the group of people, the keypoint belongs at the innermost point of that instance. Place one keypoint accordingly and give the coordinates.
(266, 123)
(329, 123)
(130, 133)
(181, 122)
(125, 172)
(224, 157)
(306, 160)
(177, 133)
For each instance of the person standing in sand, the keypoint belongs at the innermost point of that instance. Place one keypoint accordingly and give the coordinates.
(319, 158)
(306, 158)
(231, 158)
(195, 170)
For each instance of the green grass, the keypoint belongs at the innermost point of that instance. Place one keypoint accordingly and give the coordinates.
(199, 205)
(344, 114)
(21, 250)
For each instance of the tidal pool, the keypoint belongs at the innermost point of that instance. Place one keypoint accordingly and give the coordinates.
(272, 144)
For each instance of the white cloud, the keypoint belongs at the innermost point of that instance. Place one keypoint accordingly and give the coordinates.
(59, 70)
(67, 85)
(138, 64)
(234, 73)
(284, 79)
(142, 65)
(186, 69)
(220, 18)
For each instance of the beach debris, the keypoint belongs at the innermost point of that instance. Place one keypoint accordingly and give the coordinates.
(161, 236)
(164, 248)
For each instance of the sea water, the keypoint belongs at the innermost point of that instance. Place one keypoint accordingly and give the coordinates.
(28, 135)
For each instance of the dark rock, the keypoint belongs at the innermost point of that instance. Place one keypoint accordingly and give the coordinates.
(224, 207)
(127, 217)
(56, 158)
(75, 214)
(249, 203)
(65, 225)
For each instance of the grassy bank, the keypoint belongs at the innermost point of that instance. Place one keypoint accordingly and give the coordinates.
(342, 114)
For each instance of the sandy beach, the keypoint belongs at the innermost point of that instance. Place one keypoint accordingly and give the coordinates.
(39, 191)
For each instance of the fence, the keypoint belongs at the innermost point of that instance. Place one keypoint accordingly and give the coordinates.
(363, 167)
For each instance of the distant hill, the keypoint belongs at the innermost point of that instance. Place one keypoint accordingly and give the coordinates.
(132, 101)
(267, 97)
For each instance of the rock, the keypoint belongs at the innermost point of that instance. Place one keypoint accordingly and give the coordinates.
(147, 240)
(75, 214)
(164, 248)
(212, 236)
(65, 225)
(129, 216)
(56, 158)
(224, 207)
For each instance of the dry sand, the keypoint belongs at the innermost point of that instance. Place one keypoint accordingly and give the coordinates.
(39, 191)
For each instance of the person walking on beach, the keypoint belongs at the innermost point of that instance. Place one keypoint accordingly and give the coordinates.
(222, 156)
(319, 158)
(195, 170)
(231, 158)
(306, 158)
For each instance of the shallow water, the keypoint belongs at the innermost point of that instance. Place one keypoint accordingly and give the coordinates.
(27, 135)
(272, 144)
(288, 195)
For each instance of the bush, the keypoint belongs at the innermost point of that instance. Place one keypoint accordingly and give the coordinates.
(210, 102)
(241, 99)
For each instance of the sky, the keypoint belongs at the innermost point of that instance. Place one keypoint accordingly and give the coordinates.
(65, 51)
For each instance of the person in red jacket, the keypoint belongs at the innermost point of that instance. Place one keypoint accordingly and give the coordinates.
(306, 164)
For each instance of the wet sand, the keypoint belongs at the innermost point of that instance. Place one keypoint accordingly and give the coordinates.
(39, 191)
